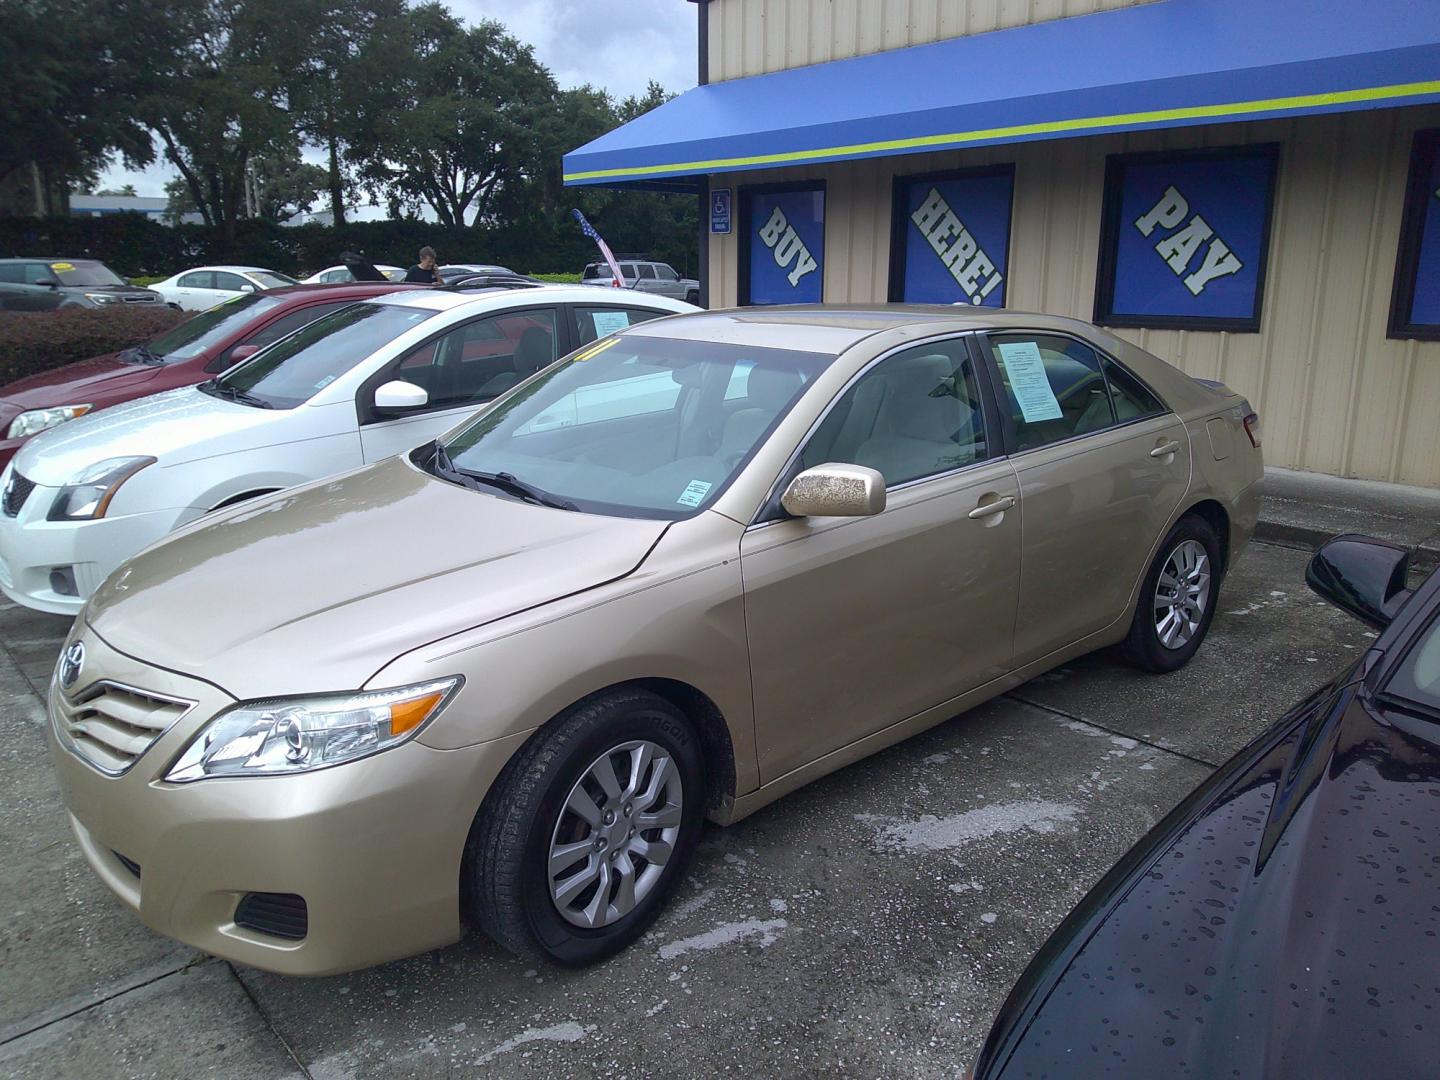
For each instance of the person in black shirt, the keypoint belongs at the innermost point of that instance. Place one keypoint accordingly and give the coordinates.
(425, 272)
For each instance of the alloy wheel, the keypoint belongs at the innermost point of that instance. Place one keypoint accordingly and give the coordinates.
(1182, 594)
(615, 833)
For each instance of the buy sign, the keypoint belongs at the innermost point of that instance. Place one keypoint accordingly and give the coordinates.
(787, 247)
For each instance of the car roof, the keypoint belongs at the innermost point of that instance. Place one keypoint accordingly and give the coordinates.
(52, 259)
(232, 269)
(838, 326)
(342, 290)
(445, 299)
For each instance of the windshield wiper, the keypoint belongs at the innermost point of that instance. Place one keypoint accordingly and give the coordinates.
(140, 354)
(507, 482)
(218, 389)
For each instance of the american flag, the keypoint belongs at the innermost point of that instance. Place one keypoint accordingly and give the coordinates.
(589, 230)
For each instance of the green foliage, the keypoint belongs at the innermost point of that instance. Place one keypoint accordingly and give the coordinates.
(34, 341)
(559, 279)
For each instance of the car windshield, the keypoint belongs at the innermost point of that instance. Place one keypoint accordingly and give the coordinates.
(269, 279)
(634, 426)
(296, 368)
(85, 273)
(1418, 677)
(195, 335)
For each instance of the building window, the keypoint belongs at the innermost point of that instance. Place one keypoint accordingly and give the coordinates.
(782, 243)
(1185, 237)
(950, 236)
(1415, 300)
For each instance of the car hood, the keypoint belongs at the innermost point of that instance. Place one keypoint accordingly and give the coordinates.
(316, 588)
(175, 426)
(1289, 930)
(80, 383)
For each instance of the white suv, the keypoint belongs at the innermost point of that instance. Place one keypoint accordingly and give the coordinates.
(366, 382)
(648, 277)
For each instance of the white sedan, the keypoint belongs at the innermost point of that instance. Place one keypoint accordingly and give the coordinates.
(366, 382)
(205, 286)
(334, 275)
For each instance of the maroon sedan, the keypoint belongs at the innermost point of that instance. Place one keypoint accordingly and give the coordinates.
(190, 353)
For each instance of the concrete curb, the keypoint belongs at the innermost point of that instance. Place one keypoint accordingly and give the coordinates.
(1424, 557)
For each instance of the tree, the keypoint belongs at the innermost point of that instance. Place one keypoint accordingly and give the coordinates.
(458, 121)
(127, 190)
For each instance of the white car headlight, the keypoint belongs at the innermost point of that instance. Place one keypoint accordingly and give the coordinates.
(293, 735)
(38, 420)
(88, 495)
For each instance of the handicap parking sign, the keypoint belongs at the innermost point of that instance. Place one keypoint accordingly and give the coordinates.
(720, 210)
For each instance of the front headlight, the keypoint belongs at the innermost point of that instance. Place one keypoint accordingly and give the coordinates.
(38, 420)
(88, 496)
(101, 298)
(293, 735)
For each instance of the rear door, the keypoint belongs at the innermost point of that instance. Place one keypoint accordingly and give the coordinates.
(1102, 466)
(459, 370)
(855, 624)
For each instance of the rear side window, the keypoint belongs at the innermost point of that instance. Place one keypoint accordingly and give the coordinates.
(12, 273)
(1132, 398)
(592, 323)
(1052, 386)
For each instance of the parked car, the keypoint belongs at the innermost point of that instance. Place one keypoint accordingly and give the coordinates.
(205, 286)
(457, 272)
(357, 385)
(645, 276)
(504, 677)
(334, 275)
(47, 284)
(198, 348)
(1282, 920)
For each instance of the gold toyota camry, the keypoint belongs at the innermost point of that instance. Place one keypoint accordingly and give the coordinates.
(501, 680)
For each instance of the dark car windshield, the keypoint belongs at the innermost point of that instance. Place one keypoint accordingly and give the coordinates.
(296, 368)
(85, 273)
(1418, 677)
(195, 335)
(637, 426)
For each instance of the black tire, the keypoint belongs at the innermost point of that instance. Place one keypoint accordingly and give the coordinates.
(1142, 647)
(693, 297)
(505, 879)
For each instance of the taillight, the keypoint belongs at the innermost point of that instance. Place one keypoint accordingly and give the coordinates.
(1252, 429)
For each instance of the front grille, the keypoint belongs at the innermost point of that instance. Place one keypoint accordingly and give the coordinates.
(278, 914)
(16, 492)
(140, 299)
(129, 864)
(110, 725)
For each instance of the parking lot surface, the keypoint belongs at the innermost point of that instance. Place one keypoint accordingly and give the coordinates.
(869, 924)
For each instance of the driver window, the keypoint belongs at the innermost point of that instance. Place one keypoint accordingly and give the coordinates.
(1052, 386)
(915, 414)
(231, 282)
(480, 360)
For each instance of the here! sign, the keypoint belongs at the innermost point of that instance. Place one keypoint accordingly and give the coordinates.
(1185, 238)
(952, 237)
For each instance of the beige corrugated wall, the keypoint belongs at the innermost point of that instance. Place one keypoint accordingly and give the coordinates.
(1335, 394)
(752, 37)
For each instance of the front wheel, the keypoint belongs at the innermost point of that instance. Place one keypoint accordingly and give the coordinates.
(1177, 599)
(588, 830)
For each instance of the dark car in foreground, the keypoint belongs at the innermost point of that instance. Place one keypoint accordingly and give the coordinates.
(190, 353)
(1283, 920)
(48, 284)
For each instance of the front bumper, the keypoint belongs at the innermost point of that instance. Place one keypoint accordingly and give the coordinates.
(32, 548)
(373, 846)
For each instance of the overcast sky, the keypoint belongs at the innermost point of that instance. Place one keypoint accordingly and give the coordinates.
(618, 45)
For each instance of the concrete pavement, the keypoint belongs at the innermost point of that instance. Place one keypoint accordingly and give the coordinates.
(869, 924)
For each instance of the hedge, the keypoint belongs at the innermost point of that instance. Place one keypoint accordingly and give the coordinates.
(32, 341)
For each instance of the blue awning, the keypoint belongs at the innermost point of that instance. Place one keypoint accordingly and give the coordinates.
(1166, 64)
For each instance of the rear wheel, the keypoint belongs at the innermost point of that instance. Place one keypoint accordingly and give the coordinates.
(588, 830)
(1177, 599)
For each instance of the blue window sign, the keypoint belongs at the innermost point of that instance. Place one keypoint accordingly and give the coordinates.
(782, 243)
(1415, 299)
(950, 237)
(720, 210)
(1185, 238)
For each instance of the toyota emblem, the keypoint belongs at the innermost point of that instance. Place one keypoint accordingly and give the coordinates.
(71, 661)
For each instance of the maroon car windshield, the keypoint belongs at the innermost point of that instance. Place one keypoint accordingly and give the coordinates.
(195, 335)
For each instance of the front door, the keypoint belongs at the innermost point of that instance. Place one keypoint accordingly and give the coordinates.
(857, 624)
(459, 371)
(1102, 465)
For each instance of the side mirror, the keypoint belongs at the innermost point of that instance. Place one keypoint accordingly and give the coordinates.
(1362, 576)
(399, 396)
(242, 352)
(247, 287)
(834, 490)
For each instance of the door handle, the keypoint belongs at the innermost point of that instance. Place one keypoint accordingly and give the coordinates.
(1165, 448)
(984, 510)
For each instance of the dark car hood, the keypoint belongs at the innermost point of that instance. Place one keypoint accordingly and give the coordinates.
(78, 383)
(1289, 930)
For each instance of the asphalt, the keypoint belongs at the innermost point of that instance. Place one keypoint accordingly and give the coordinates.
(869, 924)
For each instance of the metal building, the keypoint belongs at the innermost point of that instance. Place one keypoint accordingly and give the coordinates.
(1248, 189)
